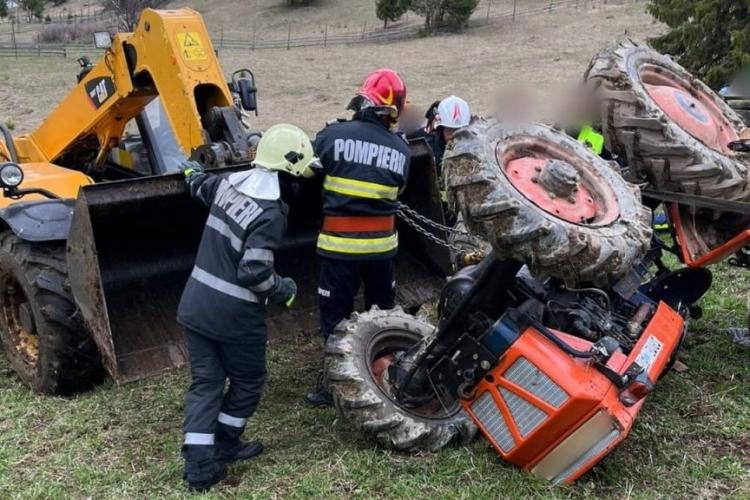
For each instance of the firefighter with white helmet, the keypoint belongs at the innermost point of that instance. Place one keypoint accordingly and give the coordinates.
(444, 118)
(223, 306)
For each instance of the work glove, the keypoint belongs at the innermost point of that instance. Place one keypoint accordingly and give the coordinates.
(284, 293)
(190, 168)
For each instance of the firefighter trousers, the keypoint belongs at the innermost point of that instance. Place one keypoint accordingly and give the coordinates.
(339, 283)
(211, 413)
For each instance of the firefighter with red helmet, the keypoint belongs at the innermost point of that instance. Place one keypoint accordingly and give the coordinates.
(366, 166)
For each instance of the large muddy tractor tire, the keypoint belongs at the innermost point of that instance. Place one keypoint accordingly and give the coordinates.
(357, 358)
(673, 130)
(43, 336)
(543, 198)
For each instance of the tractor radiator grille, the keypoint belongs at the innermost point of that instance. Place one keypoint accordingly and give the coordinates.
(598, 448)
(489, 416)
(526, 416)
(524, 374)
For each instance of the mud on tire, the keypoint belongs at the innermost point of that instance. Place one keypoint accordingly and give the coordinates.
(657, 149)
(367, 403)
(588, 251)
(43, 336)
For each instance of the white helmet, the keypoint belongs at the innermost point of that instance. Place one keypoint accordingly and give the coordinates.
(452, 112)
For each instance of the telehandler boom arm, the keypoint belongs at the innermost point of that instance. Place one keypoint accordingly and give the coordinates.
(169, 55)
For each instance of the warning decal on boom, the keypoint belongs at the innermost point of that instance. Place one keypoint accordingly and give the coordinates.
(191, 46)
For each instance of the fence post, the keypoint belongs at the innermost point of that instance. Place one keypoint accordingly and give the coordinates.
(325, 37)
(13, 36)
(514, 10)
(289, 37)
(364, 27)
(255, 28)
(39, 43)
(489, 4)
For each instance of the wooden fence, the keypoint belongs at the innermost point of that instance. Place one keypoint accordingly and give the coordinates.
(252, 42)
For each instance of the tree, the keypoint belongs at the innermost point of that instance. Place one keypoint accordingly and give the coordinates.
(128, 11)
(430, 10)
(390, 10)
(711, 38)
(449, 13)
(456, 13)
(3, 8)
(33, 8)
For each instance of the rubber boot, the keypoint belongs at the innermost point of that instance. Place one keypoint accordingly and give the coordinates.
(319, 397)
(230, 448)
(202, 471)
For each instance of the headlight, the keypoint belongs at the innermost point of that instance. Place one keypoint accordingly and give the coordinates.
(11, 175)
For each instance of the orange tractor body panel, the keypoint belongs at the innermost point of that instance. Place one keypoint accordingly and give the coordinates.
(695, 251)
(555, 415)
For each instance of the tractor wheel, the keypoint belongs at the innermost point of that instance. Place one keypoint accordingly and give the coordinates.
(47, 345)
(467, 248)
(357, 358)
(673, 130)
(543, 198)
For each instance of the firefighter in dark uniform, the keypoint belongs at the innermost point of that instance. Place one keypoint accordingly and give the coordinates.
(444, 118)
(366, 166)
(223, 305)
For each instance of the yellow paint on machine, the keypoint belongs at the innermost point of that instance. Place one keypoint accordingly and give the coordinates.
(191, 46)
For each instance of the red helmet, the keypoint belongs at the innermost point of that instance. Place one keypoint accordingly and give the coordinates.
(384, 88)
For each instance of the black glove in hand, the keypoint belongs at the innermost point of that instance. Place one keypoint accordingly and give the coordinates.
(284, 293)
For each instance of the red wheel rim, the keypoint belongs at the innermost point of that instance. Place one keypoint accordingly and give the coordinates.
(558, 181)
(691, 108)
(381, 353)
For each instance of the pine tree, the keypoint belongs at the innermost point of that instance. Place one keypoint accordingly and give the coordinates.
(456, 13)
(3, 8)
(390, 10)
(452, 14)
(711, 38)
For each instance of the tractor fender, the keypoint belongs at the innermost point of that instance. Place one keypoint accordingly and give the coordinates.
(45, 220)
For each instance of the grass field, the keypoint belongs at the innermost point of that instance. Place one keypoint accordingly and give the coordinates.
(693, 436)
(692, 439)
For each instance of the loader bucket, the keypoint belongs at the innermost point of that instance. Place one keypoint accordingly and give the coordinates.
(132, 246)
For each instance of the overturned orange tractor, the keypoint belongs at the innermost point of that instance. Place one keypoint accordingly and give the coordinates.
(550, 345)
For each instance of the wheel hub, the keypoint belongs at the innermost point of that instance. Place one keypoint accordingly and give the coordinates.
(690, 108)
(554, 186)
(382, 353)
(18, 320)
(559, 178)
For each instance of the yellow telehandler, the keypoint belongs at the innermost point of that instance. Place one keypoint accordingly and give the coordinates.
(98, 234)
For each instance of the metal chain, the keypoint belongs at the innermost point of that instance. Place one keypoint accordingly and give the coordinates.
(407, 212)
(413, 219)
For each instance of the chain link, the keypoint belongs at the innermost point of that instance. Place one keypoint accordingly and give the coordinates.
(418, 222)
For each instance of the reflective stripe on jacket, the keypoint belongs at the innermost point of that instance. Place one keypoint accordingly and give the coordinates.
(233, 273)
(365, 167)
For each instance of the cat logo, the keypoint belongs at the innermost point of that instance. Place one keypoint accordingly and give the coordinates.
(100, 90)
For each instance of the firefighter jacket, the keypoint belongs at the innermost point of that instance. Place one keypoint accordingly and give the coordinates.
(366, 167)
(437, 144)
(233, 274)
